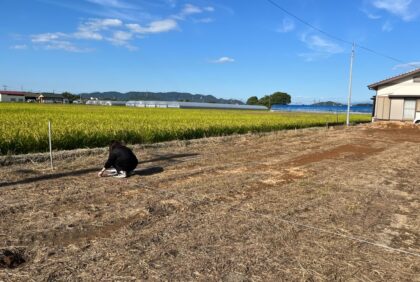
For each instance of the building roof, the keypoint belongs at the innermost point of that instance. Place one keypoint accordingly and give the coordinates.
(51, 96)
(376, 85)
(14, 93)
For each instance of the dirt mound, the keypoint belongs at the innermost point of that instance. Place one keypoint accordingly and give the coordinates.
(393, 125)
(11, 258)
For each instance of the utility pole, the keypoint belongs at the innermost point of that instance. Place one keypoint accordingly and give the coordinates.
(350, 85)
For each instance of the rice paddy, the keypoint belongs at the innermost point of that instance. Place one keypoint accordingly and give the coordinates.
(24, 127)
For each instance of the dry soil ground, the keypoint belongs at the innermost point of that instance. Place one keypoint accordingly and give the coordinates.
(221, 209)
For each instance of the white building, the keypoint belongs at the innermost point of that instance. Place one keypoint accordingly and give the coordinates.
(397, 98)
(192, 105)
(12, 96)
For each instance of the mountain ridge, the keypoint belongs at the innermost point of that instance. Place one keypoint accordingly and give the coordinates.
(159, 96)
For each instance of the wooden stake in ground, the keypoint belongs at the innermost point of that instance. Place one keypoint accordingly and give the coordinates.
(50, 144)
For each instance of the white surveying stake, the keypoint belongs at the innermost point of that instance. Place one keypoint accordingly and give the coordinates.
(350, 86)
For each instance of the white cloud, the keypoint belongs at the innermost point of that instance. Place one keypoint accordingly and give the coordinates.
(400, 8)
(55, 41)
(224, 60)
(100, 24)
(387, 26)
(91, 29)
(154, 27)
(190, 9)
(110, 30)
(209, 9)
(47, 37)
(87, 34)
(411, 65)
(111, 3)
(321, 48)
(121, 36)
(286, 26)
(114, 30)
(63, 45)
(371, 15)
(19, 47)
(320, 44)
(204, 20)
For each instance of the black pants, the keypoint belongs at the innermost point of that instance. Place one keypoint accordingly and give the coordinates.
(124, 167)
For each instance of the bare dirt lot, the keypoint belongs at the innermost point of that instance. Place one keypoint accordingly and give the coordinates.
(263, 207)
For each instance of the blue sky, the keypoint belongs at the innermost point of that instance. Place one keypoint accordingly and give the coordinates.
(227, 48)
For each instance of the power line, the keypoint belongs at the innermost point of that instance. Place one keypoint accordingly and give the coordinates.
(337, 38)
(309, 24)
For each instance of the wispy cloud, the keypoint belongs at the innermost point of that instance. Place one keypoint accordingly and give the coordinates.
(407, 66)
(286, 26)
(320, 47)
(190, 9)
(223, 60)
(318, 43)
(154, 27)
(55, 41)
(400, 8)
(371, 15)
(47, 37)
(19, 47)
(114, 30)
(111, 3)
(204, 20)
(91, 30)
(387, 26)
(209, 9)
(64, 45)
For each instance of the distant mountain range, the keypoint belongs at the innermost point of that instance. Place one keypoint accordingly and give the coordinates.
(159, 96)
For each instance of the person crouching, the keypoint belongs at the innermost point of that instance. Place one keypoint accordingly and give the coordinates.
(121, 158)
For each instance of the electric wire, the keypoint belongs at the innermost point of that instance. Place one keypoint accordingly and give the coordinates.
(337, 38)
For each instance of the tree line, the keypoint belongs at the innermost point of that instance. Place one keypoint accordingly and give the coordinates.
(277, 98)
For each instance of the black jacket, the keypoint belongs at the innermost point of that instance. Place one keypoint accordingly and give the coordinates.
(122, 158)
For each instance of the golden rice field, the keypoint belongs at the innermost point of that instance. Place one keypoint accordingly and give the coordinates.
(24, 127)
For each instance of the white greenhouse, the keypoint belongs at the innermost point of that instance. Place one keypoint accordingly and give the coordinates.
(105, 103)
(192, 105)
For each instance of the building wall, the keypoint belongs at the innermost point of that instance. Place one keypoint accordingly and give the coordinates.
(392, 108)
(397, 109)
(11, 98)
(405, 86)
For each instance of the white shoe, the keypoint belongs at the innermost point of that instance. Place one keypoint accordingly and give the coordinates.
(121, 174)
(110, 172)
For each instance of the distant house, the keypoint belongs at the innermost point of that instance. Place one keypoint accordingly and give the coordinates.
(12, 96)
(397, 98)
(50, 98)
(19, 96)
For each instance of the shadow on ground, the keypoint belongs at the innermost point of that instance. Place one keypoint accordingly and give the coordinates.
(148, 171)
(141, 172)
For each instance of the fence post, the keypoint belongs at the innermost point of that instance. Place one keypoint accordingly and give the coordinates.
(50, 144)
